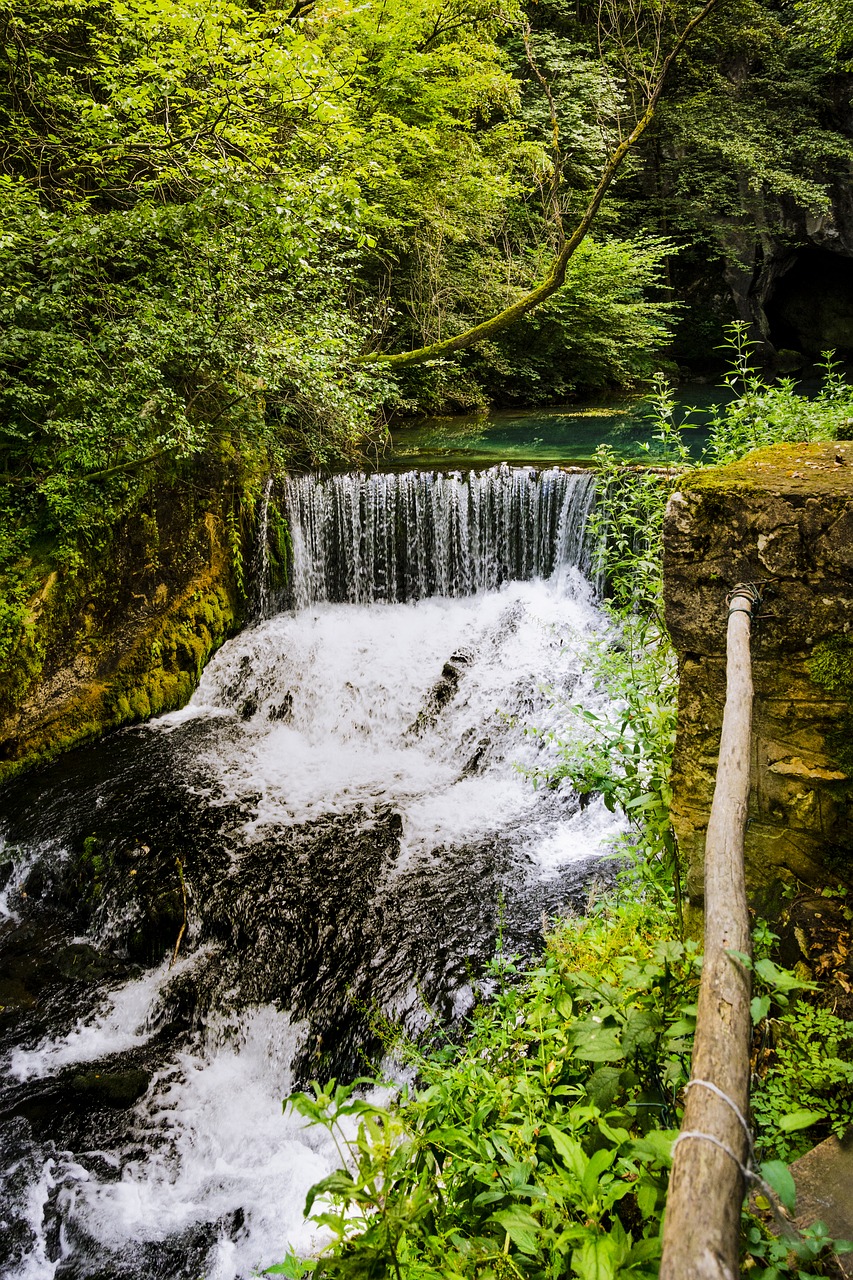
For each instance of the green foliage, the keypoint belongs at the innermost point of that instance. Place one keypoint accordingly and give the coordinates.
(762, 413)
(806, 1090)
(623, 751)
(831, 665)
(748, 131)
(209, 209)
(539, 1147)
(602, 329)
(829, 25)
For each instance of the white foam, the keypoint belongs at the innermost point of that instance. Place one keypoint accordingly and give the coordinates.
(36, 1263)
(23, 861)
(218, 1144)
(126, 1018)
(354, 682)
(587, 834)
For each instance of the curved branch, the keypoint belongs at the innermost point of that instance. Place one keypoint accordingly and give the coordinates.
(557, 275)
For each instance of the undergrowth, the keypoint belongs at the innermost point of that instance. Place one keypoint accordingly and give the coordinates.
(539, 1147)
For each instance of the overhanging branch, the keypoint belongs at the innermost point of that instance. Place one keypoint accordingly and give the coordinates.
(557, 275)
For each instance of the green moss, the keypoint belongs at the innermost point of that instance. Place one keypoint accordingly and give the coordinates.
(781, 468)
(126, 638)
(831, 666)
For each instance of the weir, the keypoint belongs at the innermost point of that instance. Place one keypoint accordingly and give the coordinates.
(363, 539)
(344, 809)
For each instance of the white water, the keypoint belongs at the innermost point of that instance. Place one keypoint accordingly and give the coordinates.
(217, 1144)
(331, 710)
(354, 681)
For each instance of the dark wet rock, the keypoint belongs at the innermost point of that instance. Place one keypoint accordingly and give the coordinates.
(248, 708)
(283, 711)
(183, 1256)
(82, 962)
(116, 1088)
(442, 692)
(21, 1164)
(477, 762)
(34, 884)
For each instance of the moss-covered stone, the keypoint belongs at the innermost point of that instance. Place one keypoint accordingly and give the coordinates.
(127, 637)
(782, 517)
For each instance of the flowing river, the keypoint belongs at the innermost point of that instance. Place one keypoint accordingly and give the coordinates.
(339, 822)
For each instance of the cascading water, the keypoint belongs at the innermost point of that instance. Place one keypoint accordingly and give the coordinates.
(338, 819)
(404, 537)
(261, 567)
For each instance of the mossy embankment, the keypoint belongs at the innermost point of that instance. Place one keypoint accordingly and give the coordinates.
(124, 633)
(781, 516)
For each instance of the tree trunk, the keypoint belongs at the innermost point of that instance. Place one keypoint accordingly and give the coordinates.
(706, 1189)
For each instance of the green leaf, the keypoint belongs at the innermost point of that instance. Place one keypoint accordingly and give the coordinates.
(599, 1046)
(521, 1227)
(598, 1162)
(596, 1259)
(568, 1149)
(293, 1268)
(795, 1120)
(759, 1007)
(779, 1178)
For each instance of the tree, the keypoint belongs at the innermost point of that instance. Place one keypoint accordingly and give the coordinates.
(651, 86)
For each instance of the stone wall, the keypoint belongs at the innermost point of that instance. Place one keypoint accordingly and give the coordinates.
(128, 635)
(783, 514)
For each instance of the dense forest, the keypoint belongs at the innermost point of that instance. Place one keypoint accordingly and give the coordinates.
(212, 213)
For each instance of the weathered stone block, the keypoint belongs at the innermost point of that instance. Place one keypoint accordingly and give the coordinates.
(782, 516)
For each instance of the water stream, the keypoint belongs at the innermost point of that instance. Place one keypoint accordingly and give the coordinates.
(334, 824)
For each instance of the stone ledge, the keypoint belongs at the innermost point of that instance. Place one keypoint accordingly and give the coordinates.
(784, 513)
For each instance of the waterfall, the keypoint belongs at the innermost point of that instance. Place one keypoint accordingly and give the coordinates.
(261, 567)
(338, 824)
(401, 537)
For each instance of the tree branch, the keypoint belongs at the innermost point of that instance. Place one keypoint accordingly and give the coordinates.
(557, 275)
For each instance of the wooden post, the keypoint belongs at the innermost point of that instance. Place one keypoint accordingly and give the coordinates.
(707, 1186)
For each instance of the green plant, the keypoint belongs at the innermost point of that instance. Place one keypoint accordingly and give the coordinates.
(765, 413)
(804, 1090)
(623, 751)
(539, 1146)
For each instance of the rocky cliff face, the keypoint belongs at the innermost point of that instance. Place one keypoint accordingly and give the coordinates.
(791, 278)
(783, 515)
(128, 636)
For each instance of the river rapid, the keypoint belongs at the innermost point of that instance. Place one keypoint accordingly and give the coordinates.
(339, 822)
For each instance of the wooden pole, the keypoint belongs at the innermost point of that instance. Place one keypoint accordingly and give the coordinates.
(707, 1184)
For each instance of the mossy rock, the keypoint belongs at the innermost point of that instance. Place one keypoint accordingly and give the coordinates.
(129, 637)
